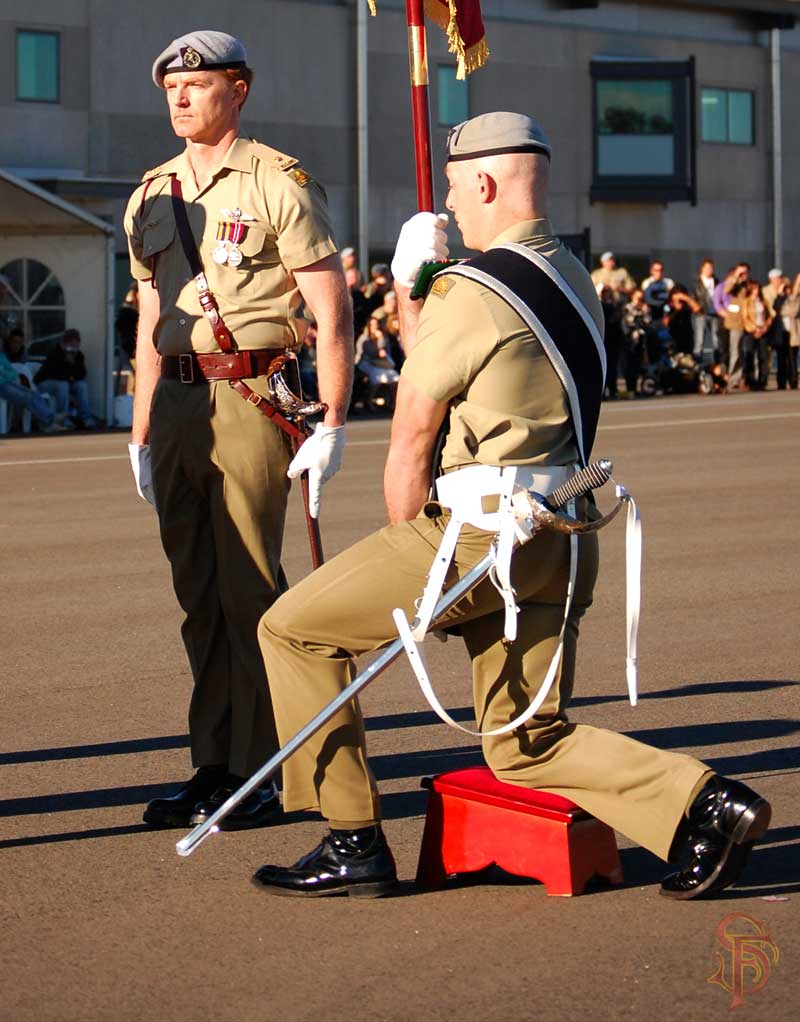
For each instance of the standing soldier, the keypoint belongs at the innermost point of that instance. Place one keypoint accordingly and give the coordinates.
(227, 241)
(507, 349)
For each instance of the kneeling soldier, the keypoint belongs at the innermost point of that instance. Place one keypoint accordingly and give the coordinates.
(512, 394)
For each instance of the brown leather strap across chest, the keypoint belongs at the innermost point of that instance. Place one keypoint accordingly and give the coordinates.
(195, 368)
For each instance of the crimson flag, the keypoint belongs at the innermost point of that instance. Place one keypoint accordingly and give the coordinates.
(463, 24)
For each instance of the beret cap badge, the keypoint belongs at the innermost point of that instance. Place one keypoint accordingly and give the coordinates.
(191, 58)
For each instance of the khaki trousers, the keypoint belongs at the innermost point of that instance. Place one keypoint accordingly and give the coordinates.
(219, 476)
(310, 635)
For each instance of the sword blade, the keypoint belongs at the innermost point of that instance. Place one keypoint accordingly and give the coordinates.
(195, 837)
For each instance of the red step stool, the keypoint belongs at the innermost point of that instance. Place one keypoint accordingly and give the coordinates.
(475, 821)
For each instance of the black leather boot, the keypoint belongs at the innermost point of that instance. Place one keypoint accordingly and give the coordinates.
(355, 862)
(261, 806)
(176, 810)
(724, 821)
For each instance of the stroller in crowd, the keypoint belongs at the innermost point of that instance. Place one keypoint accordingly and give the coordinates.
(672, 372)
(658, 349)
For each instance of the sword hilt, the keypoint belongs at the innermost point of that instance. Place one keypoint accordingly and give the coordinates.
(595, 475)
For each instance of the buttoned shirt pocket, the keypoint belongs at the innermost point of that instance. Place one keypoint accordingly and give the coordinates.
(253, 242)
(253, 278)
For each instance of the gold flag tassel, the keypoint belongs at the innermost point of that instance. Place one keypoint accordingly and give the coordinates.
(468, 59)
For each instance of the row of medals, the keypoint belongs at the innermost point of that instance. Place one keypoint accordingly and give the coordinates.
(230, 233)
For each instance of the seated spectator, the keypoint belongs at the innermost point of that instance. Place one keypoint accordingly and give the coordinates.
(14, 346)
(373, 361)
(656, 289)
(680, 309)
(15, 392)
(63, 377)
(613, 276)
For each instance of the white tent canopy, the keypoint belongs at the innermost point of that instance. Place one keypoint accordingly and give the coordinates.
(56, 263)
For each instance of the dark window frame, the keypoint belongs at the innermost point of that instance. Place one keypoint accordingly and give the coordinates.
(45, 32)
(728, 88)
(440, 66)
(678, 187)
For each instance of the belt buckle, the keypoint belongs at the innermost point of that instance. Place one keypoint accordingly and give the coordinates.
(186, 368)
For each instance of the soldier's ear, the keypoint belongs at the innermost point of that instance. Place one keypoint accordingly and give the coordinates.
(241, 89)
(487, 187)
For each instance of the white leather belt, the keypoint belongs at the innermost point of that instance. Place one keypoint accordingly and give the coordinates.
(464, 493)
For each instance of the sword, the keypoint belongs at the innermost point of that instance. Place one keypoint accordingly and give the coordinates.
(591, 477)
(297, 409)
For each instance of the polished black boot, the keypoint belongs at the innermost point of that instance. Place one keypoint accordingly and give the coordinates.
(176, 810)
(356, 862)
(261, 806)
(724, 821)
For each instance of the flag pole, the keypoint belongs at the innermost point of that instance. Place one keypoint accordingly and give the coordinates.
(420, 106)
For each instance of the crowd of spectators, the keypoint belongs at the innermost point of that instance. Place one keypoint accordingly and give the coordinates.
(732, 329)
(378, 352)
(736, 326)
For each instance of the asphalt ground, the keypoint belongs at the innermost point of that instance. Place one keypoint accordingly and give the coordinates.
(103, 921)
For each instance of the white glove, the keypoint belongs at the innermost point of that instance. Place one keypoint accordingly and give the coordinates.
(422, 239)
(142, 472)
(321, 457)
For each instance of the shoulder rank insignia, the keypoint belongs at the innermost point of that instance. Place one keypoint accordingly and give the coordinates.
(441, 286)
(299, 175)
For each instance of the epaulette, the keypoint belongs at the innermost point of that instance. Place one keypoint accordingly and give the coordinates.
(272, 157)
(161, 171)
(290, 165)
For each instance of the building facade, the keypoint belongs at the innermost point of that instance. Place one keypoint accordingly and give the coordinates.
(662, 115)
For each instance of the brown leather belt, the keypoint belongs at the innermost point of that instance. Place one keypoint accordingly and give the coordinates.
(194, 368)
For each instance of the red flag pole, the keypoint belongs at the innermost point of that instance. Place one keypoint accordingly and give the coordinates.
(418, 69)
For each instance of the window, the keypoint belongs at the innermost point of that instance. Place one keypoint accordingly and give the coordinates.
(643, 139)
(726, 115)
(453, 96)
(32, 298)
(38, 66)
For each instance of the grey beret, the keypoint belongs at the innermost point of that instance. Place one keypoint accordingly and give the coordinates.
(493, 134)
(205, 50)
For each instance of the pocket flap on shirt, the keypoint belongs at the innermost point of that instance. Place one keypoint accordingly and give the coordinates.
(157, 235)
(253, 241)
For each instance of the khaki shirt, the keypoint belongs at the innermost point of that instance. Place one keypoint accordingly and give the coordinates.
(618, 279)
(259, 299)
(507, 403)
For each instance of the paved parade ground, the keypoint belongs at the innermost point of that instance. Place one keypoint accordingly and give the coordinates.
(103, 921)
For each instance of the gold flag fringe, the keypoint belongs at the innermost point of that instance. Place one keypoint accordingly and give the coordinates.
(468, 60)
